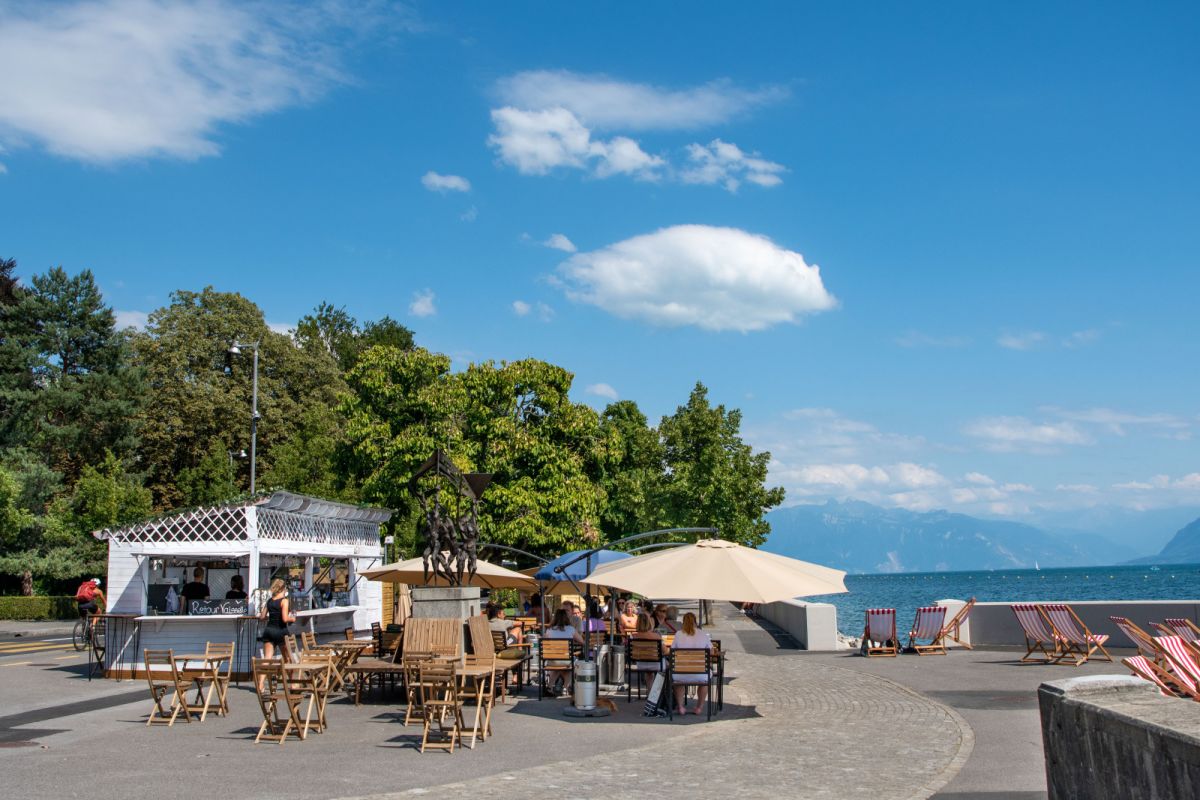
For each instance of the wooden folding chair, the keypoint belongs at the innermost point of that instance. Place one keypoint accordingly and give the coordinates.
(879, 633)
(1180, 660)
(280, 708)
(441, 706)
(308, 640)
(642, 657)
(165, 680)
(1141, 639)
(313, 685)
(928, 624)
(686, 665)
(487, 643)
(293, 651)
(953, 629)
(555, 655)
(220, 656)
(1074, 639)
(1039, 634)
(1147, 670)
(411, 666)
(1183, 628)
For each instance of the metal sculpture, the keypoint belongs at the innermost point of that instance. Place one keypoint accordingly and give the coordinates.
(450, 525)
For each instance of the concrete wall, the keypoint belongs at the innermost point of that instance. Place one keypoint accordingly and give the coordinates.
(995, 623)
(813, 625)
(1106, 736)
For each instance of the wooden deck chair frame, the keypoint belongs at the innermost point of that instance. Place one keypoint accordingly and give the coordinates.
(875, 642)
(641, 651)
(1147, 670)
(689, 661)
(1179, 659)
(440, 704)
(1039, 634)
(557, 650)
(929, 623)
(953, 629)
(164, 682)
(280, 709)
(485, 644)
(1076, 642)
(1141, 638)
(1183, 628)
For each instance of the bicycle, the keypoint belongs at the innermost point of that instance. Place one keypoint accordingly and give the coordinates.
(82, 634)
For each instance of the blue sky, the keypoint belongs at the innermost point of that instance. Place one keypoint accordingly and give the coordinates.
(1002, 202)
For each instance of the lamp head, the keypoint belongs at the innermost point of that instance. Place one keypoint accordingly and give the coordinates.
(235, 350)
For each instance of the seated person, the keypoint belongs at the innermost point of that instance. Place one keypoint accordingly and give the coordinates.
(236, 590)
(661, 622)
(197, 589)
(689, 637)
(498, 621)
(595, 620)
(645, 630)
(560, 628)
(629, 617)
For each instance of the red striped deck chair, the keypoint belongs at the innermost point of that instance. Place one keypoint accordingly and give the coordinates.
(1142, 640)
(928, 624)
(1180, 661)
(953, 628)
(879, 635)
(1038, 635)
(1147, 670)
(1075, 641)
(1183, 628)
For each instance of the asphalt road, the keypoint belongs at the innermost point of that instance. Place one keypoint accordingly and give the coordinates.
(36, 648)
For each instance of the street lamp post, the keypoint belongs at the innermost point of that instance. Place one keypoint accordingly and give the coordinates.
(236, 349)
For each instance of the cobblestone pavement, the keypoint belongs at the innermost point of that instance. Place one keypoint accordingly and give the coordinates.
(791, 728)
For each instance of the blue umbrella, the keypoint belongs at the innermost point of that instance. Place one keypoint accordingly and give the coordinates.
(580, 569)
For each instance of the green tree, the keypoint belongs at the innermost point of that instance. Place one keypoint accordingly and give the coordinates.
(201, 395)
(713, 478)
(633, 476)
(306, 462)
(210, 481)
(338, 333)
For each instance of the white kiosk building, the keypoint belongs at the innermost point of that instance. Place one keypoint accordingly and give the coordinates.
(318, 547)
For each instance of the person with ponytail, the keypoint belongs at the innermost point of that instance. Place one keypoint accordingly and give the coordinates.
(691, 637)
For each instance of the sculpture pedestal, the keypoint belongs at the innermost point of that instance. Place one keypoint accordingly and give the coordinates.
(455, 602)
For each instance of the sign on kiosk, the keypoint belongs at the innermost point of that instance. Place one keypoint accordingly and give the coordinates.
(208, 608)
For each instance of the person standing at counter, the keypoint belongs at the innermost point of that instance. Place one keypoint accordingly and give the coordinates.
(196, 590)
(236, 590)
(278, 613)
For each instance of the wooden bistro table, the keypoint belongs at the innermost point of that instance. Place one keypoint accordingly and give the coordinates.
(481, 678)
(208, 672)
(316, 678)
(347, 651)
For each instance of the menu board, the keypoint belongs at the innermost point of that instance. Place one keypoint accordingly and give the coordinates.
(208, 608)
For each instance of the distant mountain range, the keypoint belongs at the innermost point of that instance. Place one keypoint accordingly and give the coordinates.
(1184, 548)
(863, 538)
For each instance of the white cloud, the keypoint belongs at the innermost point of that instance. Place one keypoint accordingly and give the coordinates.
(602, 390)
(1021, 341)
(714, 278)
(445, 183)
(1081, 338)
(130, 319)
(545, 312)
(107, 80)
(469, 215)
(1077, 488)
(1118, 422)
(1006, 434)
(1018, 488)
(979, 479)
(726, 164)
(850, 477)
(606, 103)
(521, 308)
(536, 142)
(558, 241)
(422, 304)
(3, 169)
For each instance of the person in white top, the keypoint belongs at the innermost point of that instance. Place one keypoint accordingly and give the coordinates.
(560, 628)
(690, 637)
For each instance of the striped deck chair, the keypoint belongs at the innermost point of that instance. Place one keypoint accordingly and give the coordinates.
(1140, 638)
(1147, 670)
(1183, 628)
(928, 624)
(953, 628)
(1075, 641)
(879, 635)
(1180, 661)
(1038, 635)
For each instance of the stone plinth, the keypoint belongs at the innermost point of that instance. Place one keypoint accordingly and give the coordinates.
(458, 602)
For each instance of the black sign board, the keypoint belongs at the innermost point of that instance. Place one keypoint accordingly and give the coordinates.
(207, 608)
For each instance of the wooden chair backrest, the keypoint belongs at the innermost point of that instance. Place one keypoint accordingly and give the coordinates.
(556, 649)
(289, 642)
(439, 636)
(438, 681)
(689, 661)
(308, 640)
(499, 641)
(268, 675)
(528, 623)
(223, 651)
(161, 669)
(482, 643)
(645, 649)
(349, 634)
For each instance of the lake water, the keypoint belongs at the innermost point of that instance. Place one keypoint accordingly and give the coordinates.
(905, 592)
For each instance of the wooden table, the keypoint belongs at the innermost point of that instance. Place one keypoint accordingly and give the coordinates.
(318, 691)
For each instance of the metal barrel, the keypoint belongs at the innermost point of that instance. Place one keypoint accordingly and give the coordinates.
(616, 665)
(585, 684)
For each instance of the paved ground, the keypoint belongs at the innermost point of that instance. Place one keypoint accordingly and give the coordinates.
(795, 725)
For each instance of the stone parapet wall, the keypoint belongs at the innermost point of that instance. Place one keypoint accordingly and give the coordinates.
(813, 625)
(1117, 736)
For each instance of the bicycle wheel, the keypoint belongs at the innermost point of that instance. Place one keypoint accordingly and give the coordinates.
(79, 635)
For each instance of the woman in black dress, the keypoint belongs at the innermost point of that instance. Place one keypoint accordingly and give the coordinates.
(278, 613)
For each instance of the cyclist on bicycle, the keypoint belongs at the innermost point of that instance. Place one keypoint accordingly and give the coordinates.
(89, 598)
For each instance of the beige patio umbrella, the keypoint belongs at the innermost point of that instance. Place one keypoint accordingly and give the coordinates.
(487, 575)
(714, 569)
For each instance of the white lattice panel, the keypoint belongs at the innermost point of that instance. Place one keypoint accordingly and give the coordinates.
(214, 524)
(286, 526)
